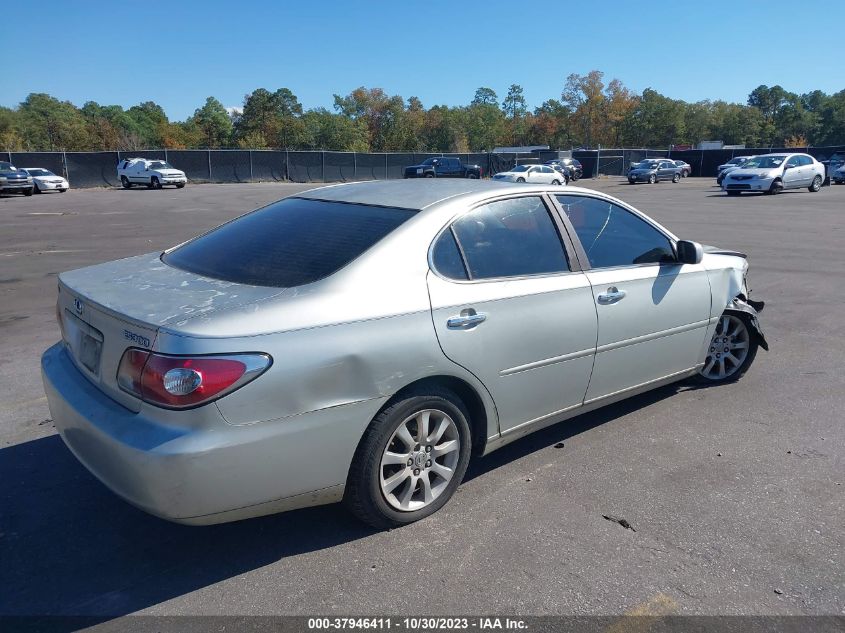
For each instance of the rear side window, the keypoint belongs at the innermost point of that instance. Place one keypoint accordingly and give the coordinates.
(510, 238)
(613, 236)
(289, 243)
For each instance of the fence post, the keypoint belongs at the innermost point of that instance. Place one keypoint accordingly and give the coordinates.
(287, 164)
(323, 165)
(9, 152)
(250, 165)
(354, 165)
(64, 164)
(209, 164)
(598, 162)
(165, 154)
(386, 174)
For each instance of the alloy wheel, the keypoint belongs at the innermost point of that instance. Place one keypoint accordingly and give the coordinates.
(728, 348)
(419, 460)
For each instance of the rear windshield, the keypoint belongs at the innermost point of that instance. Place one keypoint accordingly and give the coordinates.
(288, 243)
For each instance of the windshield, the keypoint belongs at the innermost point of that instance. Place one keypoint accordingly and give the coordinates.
(646, 164)
(737, 161)
(520, 168)
(7, 167)
(160, 164)
(39, 172)
(429, 161)
(763, 162)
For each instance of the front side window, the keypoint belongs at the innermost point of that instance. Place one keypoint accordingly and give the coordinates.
(289, 243)
(510, 238)
(613, 236)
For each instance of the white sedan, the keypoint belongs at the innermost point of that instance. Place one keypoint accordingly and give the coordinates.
(45, 180)
(539, 174)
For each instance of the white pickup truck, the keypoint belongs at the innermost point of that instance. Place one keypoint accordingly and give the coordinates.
(152, 173)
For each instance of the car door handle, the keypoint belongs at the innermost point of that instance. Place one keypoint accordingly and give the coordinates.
(466, 319)
(613, 295)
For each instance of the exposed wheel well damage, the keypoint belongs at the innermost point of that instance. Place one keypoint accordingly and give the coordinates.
(468, 395)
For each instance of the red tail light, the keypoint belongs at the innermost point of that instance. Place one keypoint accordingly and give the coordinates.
(179, 382)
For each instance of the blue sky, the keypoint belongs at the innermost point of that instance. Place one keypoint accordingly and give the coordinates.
(178, 53)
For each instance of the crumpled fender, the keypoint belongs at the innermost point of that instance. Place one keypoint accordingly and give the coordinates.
(741, 306)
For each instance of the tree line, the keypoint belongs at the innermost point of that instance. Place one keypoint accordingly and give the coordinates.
(589, 113)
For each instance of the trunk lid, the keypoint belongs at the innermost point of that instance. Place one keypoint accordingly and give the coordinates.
(110, 307)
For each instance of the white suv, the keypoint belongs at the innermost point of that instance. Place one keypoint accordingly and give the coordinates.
(152, 173)
(772, 173)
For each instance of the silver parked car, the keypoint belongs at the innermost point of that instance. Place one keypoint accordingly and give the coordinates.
(362, 341)
(772, 173)
(652, 171)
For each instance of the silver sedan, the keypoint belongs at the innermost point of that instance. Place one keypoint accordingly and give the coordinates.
(362, 342)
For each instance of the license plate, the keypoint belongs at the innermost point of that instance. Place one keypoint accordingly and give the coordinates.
(85, 342)
(419, 171)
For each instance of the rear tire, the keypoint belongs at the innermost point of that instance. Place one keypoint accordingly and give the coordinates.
(124, 181)
(428, 428)
(816, 184)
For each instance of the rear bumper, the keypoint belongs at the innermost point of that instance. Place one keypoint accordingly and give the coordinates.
(203, 475)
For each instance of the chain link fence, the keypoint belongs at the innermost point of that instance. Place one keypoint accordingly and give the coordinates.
(99, 169)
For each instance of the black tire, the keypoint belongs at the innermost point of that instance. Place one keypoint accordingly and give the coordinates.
(181, 185)
(35, 188)
(753, 346)
(776, 188)
(62, 190)
(472, 175)
(816, 185)
(576, 176)
(520, 179)
(124, 182)
(731, 192)
(631, 181)
(429, 175)
(652, 179)
(676, 178)
(363, 495)
(155, 183)
(28, 192)
(556, 182)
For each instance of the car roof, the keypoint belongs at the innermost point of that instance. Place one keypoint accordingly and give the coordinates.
(416, 194)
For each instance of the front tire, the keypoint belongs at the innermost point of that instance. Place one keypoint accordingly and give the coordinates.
(676, 178)
(28, 192)
(652, 179)
(35, 188)
(472, 176)
(731, 352)
(410, 459)
(816, 184)
(155, 183)
(556, 182)
(520, 179)
(775, 188)
(124, 182)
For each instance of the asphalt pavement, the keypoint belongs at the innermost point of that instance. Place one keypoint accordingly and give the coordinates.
(733, 494)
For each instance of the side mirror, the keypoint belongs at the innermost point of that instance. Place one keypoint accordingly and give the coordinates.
(689, 252)
(788, 166)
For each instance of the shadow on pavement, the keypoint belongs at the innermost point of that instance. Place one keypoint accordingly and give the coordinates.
(68, 546)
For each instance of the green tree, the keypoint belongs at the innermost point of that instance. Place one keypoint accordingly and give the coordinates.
(485, 96)
(213, 123)
(49, 124)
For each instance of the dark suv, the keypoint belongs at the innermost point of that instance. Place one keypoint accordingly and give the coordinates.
(572, 164)
(14, 180)
(442, 167)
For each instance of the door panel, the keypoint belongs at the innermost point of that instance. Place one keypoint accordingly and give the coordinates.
(533, 350)
(655, 329)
